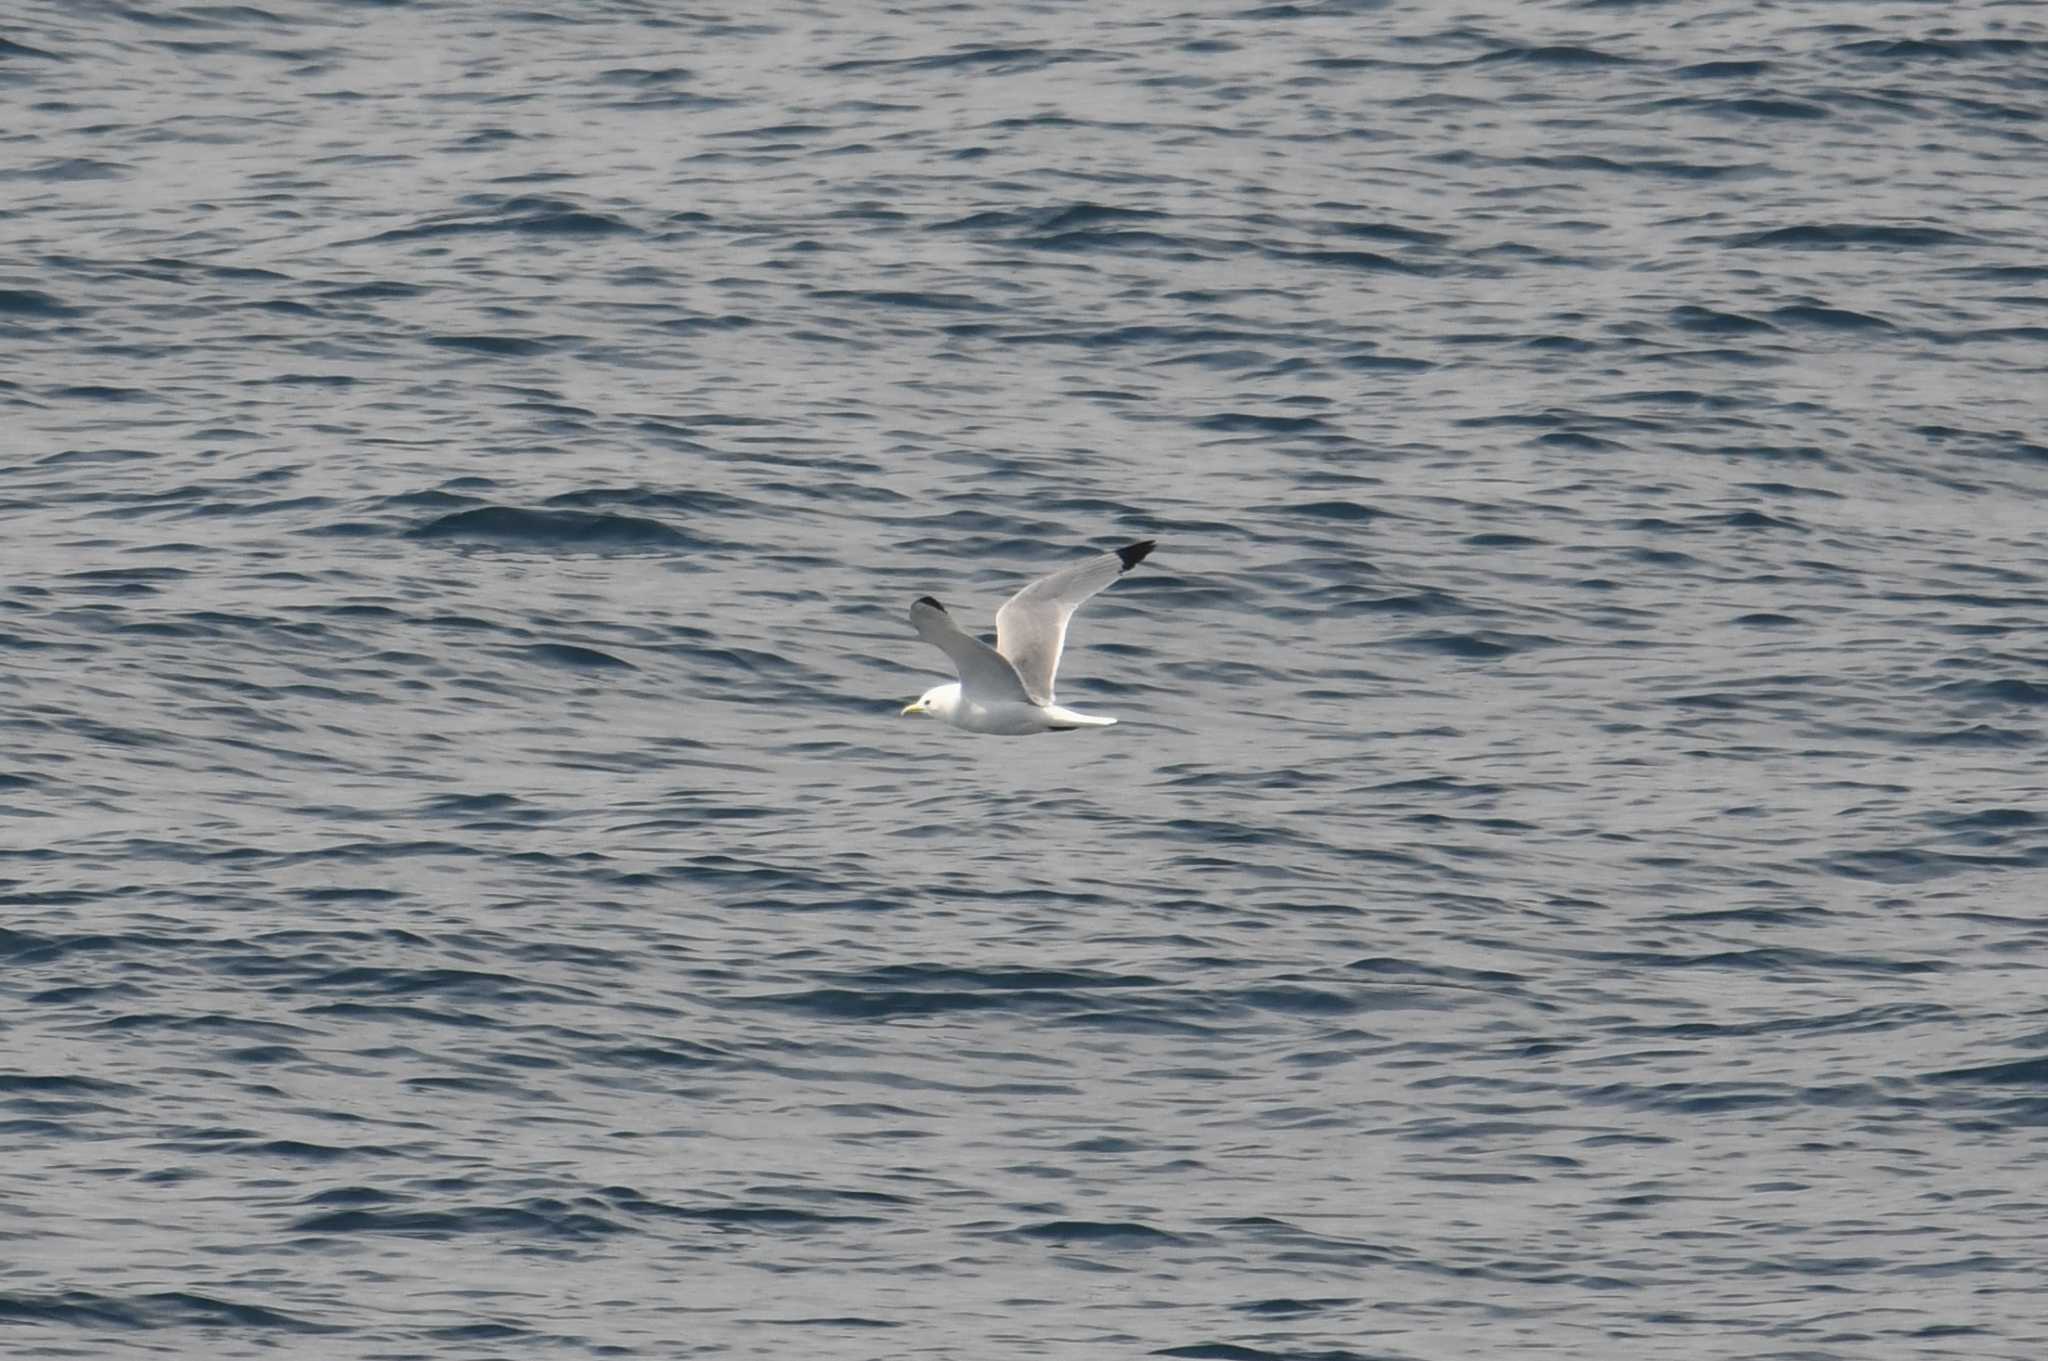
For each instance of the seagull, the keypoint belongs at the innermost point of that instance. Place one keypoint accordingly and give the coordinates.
(1007, 689)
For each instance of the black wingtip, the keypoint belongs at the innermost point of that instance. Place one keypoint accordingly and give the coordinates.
(928, 600)
(1137, 552)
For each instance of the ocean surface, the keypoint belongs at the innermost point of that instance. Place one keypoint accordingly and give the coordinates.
(1571, 875)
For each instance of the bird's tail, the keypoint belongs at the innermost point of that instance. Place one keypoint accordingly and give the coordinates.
(1067, 718)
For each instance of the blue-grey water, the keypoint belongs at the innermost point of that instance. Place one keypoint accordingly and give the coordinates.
(1569, 879)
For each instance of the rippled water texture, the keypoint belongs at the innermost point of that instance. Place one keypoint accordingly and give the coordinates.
(1568, 879)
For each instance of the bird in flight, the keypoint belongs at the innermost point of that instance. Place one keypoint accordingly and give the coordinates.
(1007, 689)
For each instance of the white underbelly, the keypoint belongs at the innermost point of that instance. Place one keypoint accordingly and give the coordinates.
(1003, 720)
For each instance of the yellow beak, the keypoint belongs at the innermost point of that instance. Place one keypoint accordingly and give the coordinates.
(916, 706)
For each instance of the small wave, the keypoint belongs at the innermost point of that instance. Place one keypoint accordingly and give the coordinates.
(1830, 318)
(549, 1220)
(576, 658)
(1724, 70)
(2004, 690)
(1001, 61)
(1558, 54)
(2018, 1072)
(1236, 421)
(11, 49)
(497, 346)
(511, 525)
(1836, 235)
(1710, 322)
(30, 302)
(1099, 1233)
(1944, 49)
(166, 1309)
(1471, 647)
(1793, 110)
(524, 216)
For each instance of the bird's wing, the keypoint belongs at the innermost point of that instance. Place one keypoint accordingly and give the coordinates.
(984, 675)
(1031, 629)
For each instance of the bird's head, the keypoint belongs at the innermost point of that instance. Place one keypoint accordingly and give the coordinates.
(937, 702)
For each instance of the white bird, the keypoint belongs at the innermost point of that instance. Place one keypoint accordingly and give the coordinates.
(1007, 689)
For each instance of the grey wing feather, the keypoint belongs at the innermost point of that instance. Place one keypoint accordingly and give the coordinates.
(1031, 628)
(984, 675)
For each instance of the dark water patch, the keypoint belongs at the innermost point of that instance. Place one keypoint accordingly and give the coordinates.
(1707, 321)
(2017, 1072)
(1097, 1233)
(994, 61)
(1788, 960)
(576, 658)
(2005, 690)
(910, 301)
(1333, 511)
(1988, 819)
(1364, 261)
(1751, 916)
(1756, 358)
(1287, 1307)
(1787, 489)
(682, 1055)
(1942, 49)
(1839, 235)
(1235, 422)
(996, 979)
(1077, 215)
(1222, 360)
(540, 1219)
(1756, 519)
(382, 290)
(1231, 1351)
(643, 76)
(1475, 647)
(1575, 439)
(166, 1309)
(1294, 999)
(1143, 334)
(1387, 966)
(885, 1004)
(779, 132)
(373, 980)
(523, 216)
(1128, 241)
(1313, 9)
(480, 1332)
(1681, 170)
(1560, 54)
(68, 170)
(497, 346)
(58, 1084)
(516, 527)
(1907, 865)
(1828, 318)
(1383, 363)
(1382, 231)
(360, 1011)
(30, 302)
(2026, 274)
(1995, 333)
(1758, 106)
(97, 392)
(1724, 70)
(1976, 735)
(1694, 1098)
(733, 1214)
